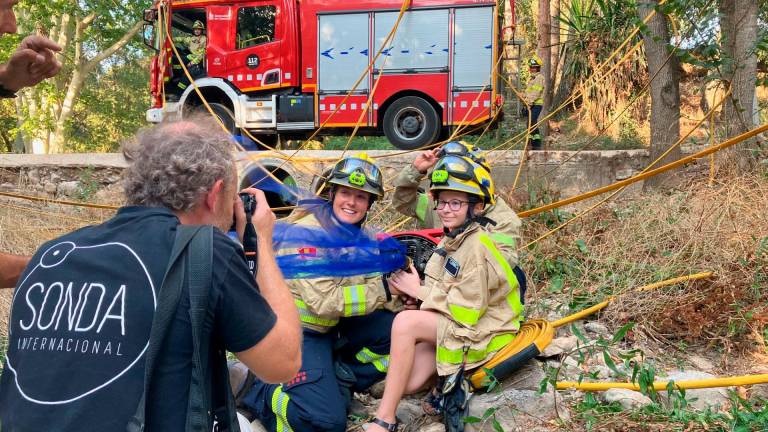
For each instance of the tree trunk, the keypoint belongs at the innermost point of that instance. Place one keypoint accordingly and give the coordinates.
(545, 53)
(665, 89)
(738, 26)
(555, 55)
(78, 77)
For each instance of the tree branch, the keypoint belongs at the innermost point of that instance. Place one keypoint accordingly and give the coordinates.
(112, 49)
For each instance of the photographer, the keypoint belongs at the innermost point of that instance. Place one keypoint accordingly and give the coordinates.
(79, 333)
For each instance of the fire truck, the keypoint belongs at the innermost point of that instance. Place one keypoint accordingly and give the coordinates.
(291, 67)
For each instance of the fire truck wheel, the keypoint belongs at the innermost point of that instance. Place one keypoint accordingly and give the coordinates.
(225, 115)
(411, 122)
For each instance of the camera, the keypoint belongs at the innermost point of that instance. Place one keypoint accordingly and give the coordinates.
(249, 203)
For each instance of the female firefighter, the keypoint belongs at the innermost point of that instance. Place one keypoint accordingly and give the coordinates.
(346, 328)
(471, 299)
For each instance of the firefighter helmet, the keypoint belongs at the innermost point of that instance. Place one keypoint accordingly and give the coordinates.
(463, 148)
(535, 61)
(461, 174)
(358, 172)
(198, 25)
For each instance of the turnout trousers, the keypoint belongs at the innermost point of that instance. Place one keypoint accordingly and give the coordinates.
(534, 141)
(351, 357)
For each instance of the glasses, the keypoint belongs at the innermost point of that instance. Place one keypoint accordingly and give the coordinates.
(454, 205)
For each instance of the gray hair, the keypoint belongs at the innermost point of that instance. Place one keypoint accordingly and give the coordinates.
(175, 162)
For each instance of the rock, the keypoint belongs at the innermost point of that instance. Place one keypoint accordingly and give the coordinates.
(559, 346)
(529, 377)
(699, 399)
(50, 188)
(433, 427)
(596, 328)
(377, 390)
(516, 409)
(409, 410)
(625, 173)
(701, 363)
(70, 188)
(7, 187)
(628, 399)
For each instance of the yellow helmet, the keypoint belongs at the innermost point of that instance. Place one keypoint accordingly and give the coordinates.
(535, 61)
(463, 148)
(461, 174)
(358, 172)
(198, 25)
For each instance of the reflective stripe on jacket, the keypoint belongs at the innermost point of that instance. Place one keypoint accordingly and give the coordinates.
(534, 93)
(477, 294)
(322, 301)
(196, 46)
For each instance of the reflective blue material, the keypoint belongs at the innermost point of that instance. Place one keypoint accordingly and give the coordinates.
(335, 249)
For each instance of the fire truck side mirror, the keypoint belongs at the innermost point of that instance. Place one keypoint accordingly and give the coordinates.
(150, 15)
(148, 35)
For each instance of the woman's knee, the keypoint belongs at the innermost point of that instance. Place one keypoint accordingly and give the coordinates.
(405, 322)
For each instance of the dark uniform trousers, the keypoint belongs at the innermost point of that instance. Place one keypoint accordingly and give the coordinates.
(352, 357)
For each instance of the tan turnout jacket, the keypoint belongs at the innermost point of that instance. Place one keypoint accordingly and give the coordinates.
(473, 287)
(409, 201)
(322, 301)
(534, 93)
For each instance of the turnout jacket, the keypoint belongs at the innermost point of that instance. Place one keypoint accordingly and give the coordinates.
(470, 281)
(534, 93)
(322, 301)
(409, 201)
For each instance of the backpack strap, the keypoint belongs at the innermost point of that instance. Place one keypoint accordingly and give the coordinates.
(167, 301)
(210, 376)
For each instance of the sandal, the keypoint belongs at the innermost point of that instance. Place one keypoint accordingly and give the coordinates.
(390, 427)
(433, 403)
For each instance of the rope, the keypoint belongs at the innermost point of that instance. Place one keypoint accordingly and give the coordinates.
(710, 150)
(591, 310)
(54, 201)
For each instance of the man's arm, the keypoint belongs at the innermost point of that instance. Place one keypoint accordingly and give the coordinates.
(277, 357)
(406, 198)
(11, 267)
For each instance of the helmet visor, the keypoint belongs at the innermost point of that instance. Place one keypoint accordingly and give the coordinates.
(359, 172)
(453, 166)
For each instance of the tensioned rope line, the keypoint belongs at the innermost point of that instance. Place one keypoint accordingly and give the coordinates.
(54, 201)
(713, 149)
(647, 174)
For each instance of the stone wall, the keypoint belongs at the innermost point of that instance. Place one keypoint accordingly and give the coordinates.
(80, 175)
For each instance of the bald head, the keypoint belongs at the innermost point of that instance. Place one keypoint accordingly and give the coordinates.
(175, 163)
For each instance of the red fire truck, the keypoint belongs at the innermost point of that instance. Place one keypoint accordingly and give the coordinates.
(288, 67)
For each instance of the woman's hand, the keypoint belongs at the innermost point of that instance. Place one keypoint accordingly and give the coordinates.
(407, 283)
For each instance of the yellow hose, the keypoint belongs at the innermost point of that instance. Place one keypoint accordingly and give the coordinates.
(662, 385)
(534, 332)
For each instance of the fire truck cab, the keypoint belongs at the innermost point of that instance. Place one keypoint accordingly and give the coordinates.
(291, 67)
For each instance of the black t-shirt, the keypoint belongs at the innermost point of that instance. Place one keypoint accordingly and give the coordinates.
(80, 323)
